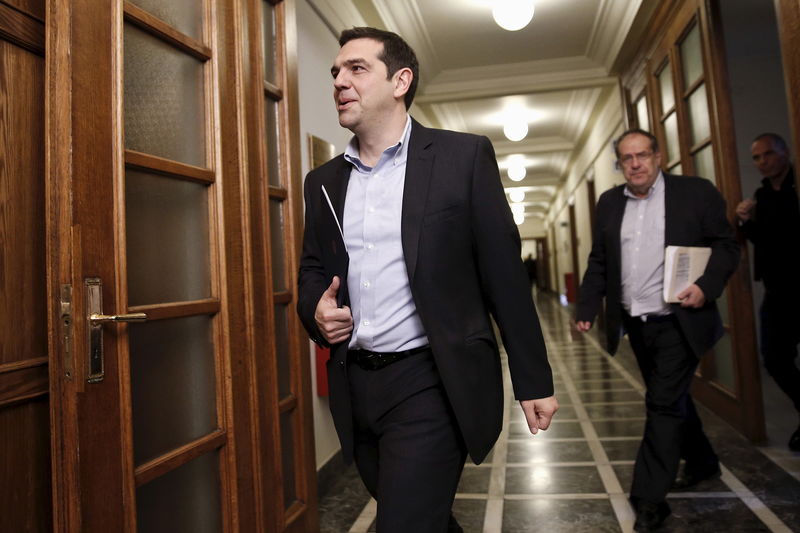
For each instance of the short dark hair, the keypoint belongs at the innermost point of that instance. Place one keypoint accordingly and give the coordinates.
(396, 54)
(777, 141)
(636, 131)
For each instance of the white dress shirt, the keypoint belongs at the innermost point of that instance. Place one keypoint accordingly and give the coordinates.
(385, 318)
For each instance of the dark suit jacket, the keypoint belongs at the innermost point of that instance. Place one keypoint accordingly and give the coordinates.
(694, 216)
(462, 253)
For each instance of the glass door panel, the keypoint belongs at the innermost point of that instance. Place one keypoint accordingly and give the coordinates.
(704, 164)
(691, 57)
(186, 499)
(185, 16)
(173, 397)
(699, 121)
(278, 247)
(164, 99)
(642, 119)
(269, 31)
(666, 90)
(282, 351)
(167, 239)
(673, 147)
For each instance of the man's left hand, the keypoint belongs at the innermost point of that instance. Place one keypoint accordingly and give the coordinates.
(539, 412)
(692, 296)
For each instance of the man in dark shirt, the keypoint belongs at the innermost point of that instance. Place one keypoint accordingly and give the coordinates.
(772, 223)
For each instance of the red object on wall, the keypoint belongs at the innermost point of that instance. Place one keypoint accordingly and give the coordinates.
(569, 283)
(323, 354)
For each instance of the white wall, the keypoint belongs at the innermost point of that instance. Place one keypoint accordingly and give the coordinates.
(317, 47)
(595, 157)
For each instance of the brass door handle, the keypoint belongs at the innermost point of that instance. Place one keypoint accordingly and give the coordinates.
(96, 319)
(94, 333)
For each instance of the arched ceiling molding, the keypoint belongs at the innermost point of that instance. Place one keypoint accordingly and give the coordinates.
(337, 15)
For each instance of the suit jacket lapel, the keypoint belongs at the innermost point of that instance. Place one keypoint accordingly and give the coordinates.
(616, 227)
(419, 166)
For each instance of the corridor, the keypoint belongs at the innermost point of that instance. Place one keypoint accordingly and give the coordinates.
(574, 477)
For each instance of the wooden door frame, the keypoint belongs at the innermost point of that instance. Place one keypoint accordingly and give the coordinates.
(788, 15)
(665, 28)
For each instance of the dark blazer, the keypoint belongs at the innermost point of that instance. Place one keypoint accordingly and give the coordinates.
(462, 254)
(694, 216)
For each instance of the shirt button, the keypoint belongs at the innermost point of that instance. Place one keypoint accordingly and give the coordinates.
(370, 246)
(371, 209)
(377, 174)
(366, 322)
(366, 284)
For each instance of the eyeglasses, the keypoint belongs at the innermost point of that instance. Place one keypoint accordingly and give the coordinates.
(628, 159)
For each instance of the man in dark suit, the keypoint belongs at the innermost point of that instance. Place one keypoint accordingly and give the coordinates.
(771, 222)
(409, 245)
(635, 222)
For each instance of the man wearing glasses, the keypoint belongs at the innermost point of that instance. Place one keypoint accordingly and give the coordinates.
(634, 224)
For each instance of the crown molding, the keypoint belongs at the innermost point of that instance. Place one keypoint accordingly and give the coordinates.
(611, 26)
(405, 19)
(337, 15)
(515, 78)
(578, 112)
(449, 116)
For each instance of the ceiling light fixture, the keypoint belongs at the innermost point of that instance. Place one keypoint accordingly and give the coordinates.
(512, 15)
(515, 129)
(519, 218)
(516, 195)
(516, 172)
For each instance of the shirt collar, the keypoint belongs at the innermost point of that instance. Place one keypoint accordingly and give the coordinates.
(654, 188)
(398, 152)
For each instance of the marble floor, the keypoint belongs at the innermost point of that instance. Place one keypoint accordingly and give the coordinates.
(574, 477)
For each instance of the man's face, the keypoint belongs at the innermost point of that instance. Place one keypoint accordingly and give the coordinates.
(361, 90)
(640, 165)
(769, 161)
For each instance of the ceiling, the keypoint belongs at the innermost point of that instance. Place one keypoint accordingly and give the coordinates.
(556, 72)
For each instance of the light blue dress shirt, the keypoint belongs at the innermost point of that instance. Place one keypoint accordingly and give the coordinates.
(385, 318)
(642, 246)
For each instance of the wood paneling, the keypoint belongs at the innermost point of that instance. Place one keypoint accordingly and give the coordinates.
(23, 381)
(23, 330)
(788, 12)
(25, 467)
(21, 29)
(25, 496)
(34, 8)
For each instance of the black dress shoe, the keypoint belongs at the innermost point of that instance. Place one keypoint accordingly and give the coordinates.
(690, 479)
(794, 441)
(650, 516)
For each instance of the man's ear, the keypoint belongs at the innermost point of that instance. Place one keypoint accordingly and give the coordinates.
(402, 81)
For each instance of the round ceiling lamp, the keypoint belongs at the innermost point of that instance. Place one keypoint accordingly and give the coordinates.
(516, 195)
(516, 172)
(512, 15)
(519, 218)
(515, 129)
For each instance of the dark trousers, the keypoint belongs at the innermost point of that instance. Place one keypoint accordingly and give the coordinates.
(408, 448)
(779, 338)
(672, 430)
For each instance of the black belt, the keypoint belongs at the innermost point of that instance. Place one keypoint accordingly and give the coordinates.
(369, 360)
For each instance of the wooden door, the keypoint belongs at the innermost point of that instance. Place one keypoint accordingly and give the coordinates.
(25, 496)
(161, 206)
(680, 90)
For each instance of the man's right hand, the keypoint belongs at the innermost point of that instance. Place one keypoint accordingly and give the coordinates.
(744, 209)
(334, 323)
(583, 326)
